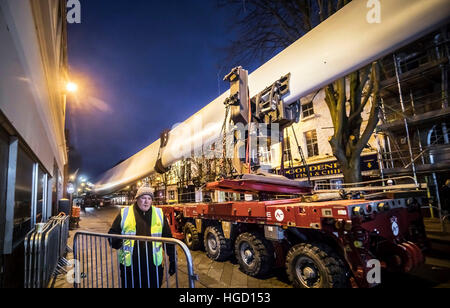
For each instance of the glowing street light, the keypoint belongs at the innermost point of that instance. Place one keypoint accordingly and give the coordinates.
(71, 87)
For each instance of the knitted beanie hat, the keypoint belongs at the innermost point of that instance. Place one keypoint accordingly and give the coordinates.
(144, 190)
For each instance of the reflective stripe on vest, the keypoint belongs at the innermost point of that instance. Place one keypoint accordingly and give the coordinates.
(128, 225)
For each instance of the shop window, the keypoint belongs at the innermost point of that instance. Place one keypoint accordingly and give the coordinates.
(23, 195)
(311, 143)
(4, 153)
(40, 195)
(47, 206)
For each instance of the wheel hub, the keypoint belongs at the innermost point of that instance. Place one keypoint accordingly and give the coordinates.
(247, 254)
(307, 272)
(189, 238)
(212, 243)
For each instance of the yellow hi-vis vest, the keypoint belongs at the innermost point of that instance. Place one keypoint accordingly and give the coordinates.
(128, 225)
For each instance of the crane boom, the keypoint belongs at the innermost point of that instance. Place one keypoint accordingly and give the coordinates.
(345, 42)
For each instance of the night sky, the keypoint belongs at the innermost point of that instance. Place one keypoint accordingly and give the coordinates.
(141, 66)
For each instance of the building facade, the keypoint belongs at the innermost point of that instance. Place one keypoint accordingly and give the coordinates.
(309, 138)
(33, 155)
(415, 116)
(412, 138)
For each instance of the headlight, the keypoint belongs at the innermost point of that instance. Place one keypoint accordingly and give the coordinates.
(358, 211)
(383, 207)
(413, 205)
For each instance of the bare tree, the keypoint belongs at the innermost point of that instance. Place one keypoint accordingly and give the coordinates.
(349, 140)
(266, 27)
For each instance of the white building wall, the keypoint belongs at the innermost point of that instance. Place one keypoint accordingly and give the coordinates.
(320, 122)
(31, 81)
(32, 113)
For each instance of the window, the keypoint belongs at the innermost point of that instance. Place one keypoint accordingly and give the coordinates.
(439, 134)
(311, 143)
(40, 195)
(321, 185)
(287, 150)
(336, 184)
(265, 156)
(54, 188)
(22, 204)
(48, 198)
(307, 109)
(4, 153)
(308, 106)
(171, 194)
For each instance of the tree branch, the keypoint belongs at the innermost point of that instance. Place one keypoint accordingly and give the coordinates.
(341, 114)
(281, 22)
(374, 113)
(367, 95)
(300, 20)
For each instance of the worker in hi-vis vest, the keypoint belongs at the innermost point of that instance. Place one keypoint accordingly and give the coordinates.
(142, 266)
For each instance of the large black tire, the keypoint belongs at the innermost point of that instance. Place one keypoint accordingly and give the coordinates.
(191, 237)
(217, 247)
(254, 253)
(315, 266)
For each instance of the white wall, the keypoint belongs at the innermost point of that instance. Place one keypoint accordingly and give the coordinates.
(322, 123)
(30, 95)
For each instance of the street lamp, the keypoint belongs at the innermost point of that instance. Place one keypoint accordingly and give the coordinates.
(71, 87)
(70, 191)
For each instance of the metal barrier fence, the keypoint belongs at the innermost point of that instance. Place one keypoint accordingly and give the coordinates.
(63, 221)
(97, 263)
(45, 247)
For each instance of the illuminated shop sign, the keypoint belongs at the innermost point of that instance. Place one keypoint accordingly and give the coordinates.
(368, 163)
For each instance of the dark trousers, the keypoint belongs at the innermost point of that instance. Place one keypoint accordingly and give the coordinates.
(140, 278)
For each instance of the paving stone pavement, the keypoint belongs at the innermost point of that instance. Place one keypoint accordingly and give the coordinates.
(211, 274)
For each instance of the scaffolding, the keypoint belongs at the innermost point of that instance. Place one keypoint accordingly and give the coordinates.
(415, 114)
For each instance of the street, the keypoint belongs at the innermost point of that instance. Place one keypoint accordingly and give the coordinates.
(434, 274)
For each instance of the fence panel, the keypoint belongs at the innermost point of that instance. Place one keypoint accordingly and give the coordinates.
(97, 263)
(63, 222)
(42, 254)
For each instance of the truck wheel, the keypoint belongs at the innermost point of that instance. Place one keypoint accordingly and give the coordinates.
(315, 266)
(216, 245)
(254, 254)
(191, 237)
